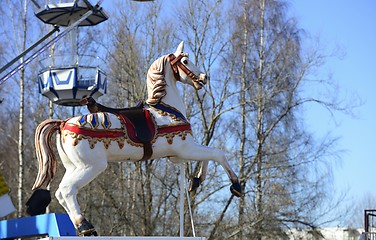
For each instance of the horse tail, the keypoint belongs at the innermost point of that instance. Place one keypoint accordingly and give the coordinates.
(43, 145)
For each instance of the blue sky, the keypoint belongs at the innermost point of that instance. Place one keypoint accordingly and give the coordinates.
(350, 25)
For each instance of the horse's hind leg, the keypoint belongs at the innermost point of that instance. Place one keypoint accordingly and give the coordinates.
(69, 168)
(59, 195)
(69, 188)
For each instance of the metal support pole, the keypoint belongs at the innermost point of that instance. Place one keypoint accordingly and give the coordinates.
(35, 4)
(182, 183)
(190, 210)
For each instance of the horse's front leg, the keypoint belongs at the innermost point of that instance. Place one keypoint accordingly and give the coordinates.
(191, 150)
(196, 181)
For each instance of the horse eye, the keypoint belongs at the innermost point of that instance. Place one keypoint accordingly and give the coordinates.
(185, 61)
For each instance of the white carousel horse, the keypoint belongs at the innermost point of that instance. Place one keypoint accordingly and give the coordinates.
(86, 143)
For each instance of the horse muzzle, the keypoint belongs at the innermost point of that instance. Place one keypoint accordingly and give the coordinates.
(201, 81)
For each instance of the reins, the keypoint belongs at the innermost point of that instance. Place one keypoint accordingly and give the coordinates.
(175, 63)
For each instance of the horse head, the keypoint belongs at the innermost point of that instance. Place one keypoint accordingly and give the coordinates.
(182, 70)
(185, 71)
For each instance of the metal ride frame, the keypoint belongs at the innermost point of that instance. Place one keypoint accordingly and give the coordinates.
(370, 224)
(47, 45)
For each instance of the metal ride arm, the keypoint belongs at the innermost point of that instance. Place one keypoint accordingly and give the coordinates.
(42, 49)
(56, 28)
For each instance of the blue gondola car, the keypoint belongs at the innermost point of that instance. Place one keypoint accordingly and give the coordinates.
(68, 85)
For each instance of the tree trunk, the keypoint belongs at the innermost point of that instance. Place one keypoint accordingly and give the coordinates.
(243, 139)
(20, 122)
(260, 133)
(20, 147)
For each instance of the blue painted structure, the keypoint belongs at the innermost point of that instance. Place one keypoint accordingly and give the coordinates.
(52, 224)
(67, 86)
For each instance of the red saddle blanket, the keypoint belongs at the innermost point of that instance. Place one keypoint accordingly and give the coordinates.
(100, 133)
(140, 129)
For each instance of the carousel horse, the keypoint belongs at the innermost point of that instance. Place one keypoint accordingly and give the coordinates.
(155, 129)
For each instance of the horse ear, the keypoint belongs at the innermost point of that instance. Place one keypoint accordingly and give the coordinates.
(180, 49)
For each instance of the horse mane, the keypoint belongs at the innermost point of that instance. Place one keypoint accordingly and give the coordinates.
(156, 82)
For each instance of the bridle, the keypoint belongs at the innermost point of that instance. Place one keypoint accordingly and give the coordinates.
(176, 63)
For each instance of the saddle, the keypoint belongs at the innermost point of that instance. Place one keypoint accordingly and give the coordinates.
(135, 115)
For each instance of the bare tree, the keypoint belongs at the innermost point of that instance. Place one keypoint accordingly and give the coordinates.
(204, 25)
(17, 28)
(281, 163)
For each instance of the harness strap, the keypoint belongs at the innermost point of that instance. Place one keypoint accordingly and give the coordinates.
(187, 71)
(173, 61)
(175, 64)
(173, 112)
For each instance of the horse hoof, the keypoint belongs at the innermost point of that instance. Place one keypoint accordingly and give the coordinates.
(236, 189)
(86, 233)
(194, 183)
(86, 229)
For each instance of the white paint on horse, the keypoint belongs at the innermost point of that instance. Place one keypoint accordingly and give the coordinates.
(85, 157)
